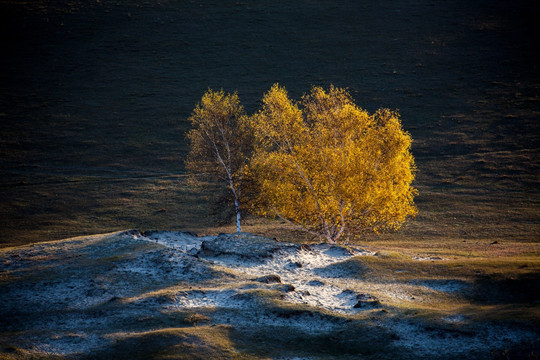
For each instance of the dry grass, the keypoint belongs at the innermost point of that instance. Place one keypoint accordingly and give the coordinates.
(86, 150)
(202, 342)
(94, 144)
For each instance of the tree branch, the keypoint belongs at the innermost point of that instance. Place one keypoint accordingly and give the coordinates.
(298, 226)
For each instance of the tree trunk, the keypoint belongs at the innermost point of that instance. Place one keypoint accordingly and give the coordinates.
(237, 208)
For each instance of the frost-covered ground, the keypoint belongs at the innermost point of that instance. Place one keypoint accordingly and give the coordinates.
(77, 297)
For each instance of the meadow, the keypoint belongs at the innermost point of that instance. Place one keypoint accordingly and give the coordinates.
(95, 96)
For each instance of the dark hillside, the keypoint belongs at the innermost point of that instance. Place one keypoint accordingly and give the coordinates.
(94, 98)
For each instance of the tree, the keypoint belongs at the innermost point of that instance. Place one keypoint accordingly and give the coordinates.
(219, 146)
(328, 167)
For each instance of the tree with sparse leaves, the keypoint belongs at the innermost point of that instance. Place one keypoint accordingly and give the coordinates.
(328, 167)
(219, 146)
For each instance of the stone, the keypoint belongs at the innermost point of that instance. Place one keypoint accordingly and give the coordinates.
(269, 279)
(286, 288)
(366, 301)
(243, 245)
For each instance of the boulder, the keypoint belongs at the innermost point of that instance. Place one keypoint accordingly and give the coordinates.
(366, 301)
(244, 245)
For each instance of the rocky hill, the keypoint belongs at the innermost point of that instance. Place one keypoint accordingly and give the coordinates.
(177, 295)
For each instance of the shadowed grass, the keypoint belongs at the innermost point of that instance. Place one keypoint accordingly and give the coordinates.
(201, 342)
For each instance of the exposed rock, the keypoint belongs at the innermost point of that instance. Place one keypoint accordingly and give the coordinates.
(367, 304)
(350, 268)
(339, 251)
(150, 233)
(366, 301)
(248, 282)
(269, 279)
(286, 288)
(244, 245)
(294, 265)
(366, 297)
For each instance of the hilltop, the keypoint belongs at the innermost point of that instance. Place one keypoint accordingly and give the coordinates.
(158, 295)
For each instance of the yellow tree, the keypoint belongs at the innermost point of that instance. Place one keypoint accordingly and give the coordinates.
(219, 147)
(328, 167)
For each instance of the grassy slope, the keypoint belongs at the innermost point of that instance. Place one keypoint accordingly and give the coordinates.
(95, 96)
(93, 108)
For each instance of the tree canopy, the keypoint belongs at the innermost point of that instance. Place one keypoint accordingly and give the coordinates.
(328, 167)
(219, 146)
(322, 164)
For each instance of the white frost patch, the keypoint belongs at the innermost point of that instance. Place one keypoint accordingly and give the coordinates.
(454, 319)
(298, 268)
(210, 298)
(428, 258)
(70, 307)
(449, 286)
(328, 297)
(181, 241)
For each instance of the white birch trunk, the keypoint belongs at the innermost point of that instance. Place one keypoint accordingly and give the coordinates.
(237, 208)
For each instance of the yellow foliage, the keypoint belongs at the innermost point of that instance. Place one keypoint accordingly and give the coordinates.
(215, 138)
(329, 167)
(219, 144)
